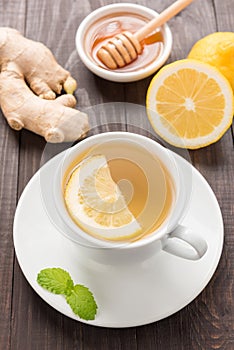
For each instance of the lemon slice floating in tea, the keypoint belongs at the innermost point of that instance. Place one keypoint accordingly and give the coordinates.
(96, 204)
(190, 104)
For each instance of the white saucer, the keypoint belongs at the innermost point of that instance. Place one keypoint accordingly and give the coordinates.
(127, 296)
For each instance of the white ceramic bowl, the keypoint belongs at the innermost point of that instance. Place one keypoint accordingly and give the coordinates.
(114, 75)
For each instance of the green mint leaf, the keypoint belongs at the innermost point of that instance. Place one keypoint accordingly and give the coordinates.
(79, 297)
(55, 280)
(82, 302)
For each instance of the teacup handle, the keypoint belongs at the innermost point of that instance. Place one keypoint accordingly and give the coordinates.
(194, 248)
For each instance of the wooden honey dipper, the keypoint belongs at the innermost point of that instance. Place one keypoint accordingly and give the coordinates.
(125, 47)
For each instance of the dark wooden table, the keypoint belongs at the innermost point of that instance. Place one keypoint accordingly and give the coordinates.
(26, 321)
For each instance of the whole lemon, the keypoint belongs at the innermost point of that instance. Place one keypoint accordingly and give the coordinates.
(217, 49)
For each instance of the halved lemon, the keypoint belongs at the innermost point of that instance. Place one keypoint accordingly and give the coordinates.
(190, 104)
(96, 203)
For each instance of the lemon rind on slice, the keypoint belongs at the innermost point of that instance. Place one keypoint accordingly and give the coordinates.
(97, 215)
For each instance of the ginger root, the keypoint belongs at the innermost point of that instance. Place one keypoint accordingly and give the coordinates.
(30, 78)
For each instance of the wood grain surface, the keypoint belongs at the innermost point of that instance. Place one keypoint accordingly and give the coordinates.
(26, 321)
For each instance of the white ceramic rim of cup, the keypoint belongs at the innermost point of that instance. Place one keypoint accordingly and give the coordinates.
(84, 145)
(117, 76)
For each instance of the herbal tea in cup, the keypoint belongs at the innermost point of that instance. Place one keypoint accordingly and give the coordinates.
(118, 191)
(125, 192)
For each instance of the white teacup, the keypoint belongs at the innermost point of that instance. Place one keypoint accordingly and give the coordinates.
(170, 236)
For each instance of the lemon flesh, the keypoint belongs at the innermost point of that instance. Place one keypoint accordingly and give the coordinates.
(190, 104)
(96, 204)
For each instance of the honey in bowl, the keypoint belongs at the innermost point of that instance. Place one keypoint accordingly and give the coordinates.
(109, 26)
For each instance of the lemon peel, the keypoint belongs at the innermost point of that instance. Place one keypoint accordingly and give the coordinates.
(216, 49)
